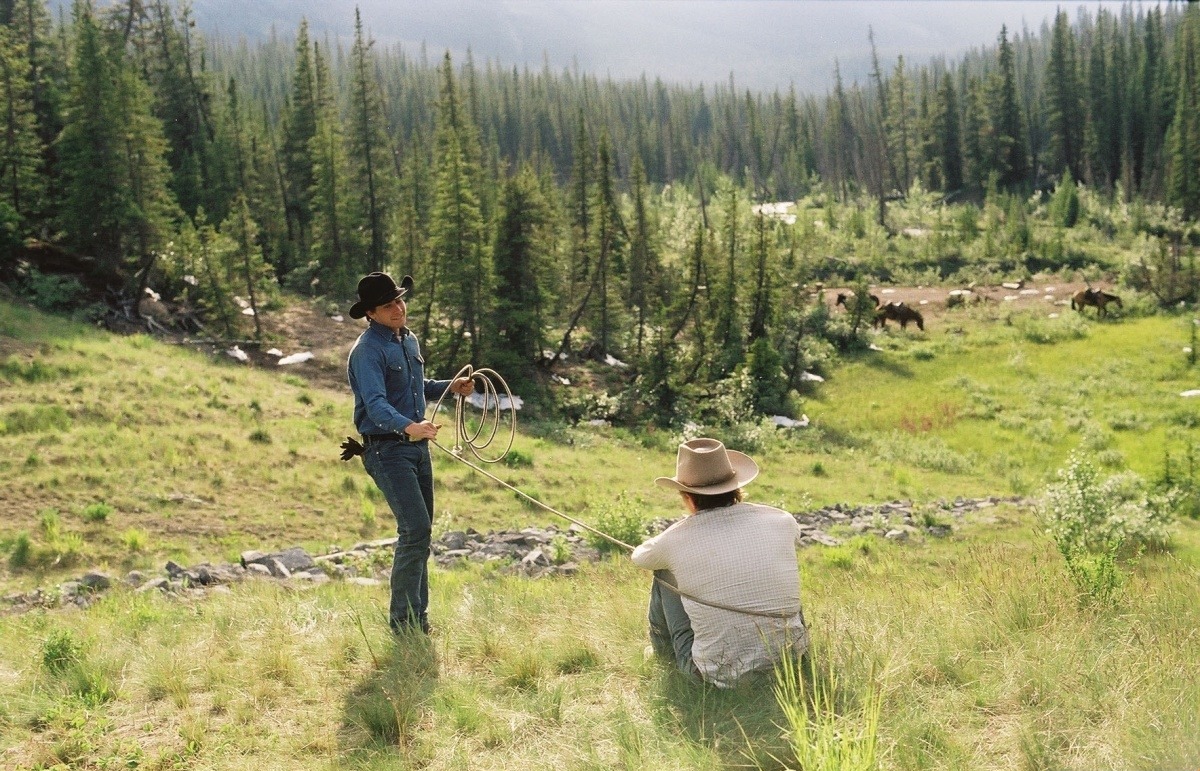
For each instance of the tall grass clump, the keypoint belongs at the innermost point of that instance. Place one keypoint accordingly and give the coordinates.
(821, 738)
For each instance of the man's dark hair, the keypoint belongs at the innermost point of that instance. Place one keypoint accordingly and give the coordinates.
(706, 502)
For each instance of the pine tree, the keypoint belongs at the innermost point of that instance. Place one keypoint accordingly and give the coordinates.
(644, 266)
(945, 163)
(46, 59)
(611, 239)
(181, 104)
(456, 228)
(333, 257)
(299, 128)
(371, 163)
(116, 203)
(1064, 106)
(1010, 158)
(899, 123)
(1183, 138)
(975, 137)
(519, 296)
(22, 187)
(727, 331)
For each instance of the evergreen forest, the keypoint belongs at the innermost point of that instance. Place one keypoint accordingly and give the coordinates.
(547, 213)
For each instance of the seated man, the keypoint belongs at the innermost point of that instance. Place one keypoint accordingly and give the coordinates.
(726, 594)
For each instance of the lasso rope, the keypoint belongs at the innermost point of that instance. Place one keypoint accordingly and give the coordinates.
(485, 380)
(490, 423)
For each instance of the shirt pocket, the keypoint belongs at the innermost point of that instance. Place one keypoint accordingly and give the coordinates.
(396, 365)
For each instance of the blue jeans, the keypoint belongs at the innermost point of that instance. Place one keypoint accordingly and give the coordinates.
(670, 627)
(404, 474)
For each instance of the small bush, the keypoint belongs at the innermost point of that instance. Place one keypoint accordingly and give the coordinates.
(136, 540)
(621, 520)
(528, 497)
(1091, 521)
(1094, 514)
(21, 551)
(60, 650)
(49, 292)
(560, 550)
(518, 459)
(97, 512)
(841, 557)
(51, 524)
(260, 436)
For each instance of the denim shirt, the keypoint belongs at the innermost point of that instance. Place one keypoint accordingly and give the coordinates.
(387, 376)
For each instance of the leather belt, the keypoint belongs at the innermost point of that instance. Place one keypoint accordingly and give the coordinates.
(370, 439)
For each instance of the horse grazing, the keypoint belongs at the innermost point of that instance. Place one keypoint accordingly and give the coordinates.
(898, 311)
(1097, 298)
(844, 298)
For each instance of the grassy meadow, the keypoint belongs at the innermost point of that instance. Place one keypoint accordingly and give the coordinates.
(975, 651)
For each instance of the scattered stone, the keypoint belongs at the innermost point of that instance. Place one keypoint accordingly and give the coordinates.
(95, 581)
(159, 583)
(525, 551)
(277, 568)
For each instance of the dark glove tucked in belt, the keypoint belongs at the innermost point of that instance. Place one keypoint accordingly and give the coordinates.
(351, 447)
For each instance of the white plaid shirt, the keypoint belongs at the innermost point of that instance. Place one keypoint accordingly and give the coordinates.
(741, 556)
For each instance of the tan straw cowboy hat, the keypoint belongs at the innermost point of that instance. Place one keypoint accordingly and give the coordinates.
(705, 467)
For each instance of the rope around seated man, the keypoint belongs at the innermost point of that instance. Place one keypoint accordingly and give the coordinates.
(490, 424)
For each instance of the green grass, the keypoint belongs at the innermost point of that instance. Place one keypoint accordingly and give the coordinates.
(974, 651)
(1000, 412)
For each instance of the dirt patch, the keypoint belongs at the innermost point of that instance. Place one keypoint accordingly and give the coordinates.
(933, 302)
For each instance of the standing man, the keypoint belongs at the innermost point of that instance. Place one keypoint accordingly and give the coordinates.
(735, 603)
(387, 376)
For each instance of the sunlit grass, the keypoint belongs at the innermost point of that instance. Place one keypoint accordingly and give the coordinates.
(975, 653)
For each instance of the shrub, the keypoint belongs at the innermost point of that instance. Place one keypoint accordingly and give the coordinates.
(21, 551)
(560, 550)
(620, 520)
(368, 515)
(50, 292)
(260, 436)
(518, 459)
(135, 540)
(1094, 514)
(60, 650)
(97, 512)
(1091, 521)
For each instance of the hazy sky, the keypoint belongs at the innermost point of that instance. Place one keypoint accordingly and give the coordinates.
(765, 43)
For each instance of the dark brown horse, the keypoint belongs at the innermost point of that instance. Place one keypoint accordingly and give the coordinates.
(1097, 298)
(844, 299)
(899, 312)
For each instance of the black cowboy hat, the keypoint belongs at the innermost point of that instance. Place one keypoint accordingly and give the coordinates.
(377, 289)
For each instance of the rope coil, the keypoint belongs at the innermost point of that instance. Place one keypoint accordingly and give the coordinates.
(490, 422)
